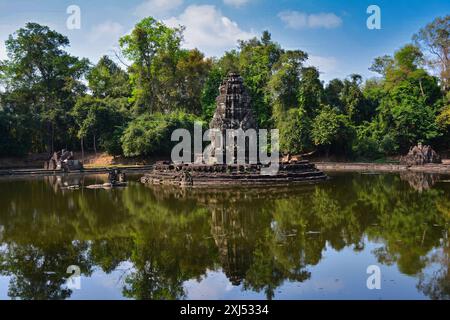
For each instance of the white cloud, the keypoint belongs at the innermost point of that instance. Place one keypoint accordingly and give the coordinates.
(214, 285)
(325, 64)
(157, 7)
(106, 32)
(208, 30)
(300, 20)
(236, 3)
(100, 40)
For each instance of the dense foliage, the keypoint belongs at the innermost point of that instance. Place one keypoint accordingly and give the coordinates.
(50, 99)
(157, 128)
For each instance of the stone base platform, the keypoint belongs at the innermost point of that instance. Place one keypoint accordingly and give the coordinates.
(197, 175)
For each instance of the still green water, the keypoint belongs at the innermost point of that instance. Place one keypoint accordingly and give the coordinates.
(304, 242)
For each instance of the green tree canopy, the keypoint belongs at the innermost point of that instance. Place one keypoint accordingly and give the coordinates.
(47, 79)
(332, 131)
(154, 51)
(107, 79)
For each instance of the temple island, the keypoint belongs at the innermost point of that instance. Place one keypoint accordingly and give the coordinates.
(233, 111)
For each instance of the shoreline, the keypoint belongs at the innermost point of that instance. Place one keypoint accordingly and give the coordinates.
(97, 170)
(380, 167)
(324, 166)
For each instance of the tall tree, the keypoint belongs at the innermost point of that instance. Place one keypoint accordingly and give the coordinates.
(408, 69)
(333, 93)
(354, 102)
(107, 79)
(154, 50)
(435, 39)
(99, 119)
(311, 94)
(285, 81)
(192, 70)
(283, 87)
(407, 106)
(256, 59)
(47, 79)
(381, 64)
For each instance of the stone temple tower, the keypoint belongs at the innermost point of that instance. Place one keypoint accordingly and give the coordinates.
(233, 106)
(233, 111)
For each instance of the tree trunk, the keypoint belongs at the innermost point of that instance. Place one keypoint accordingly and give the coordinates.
(421, 88)
(95, 146)
(53, 137)
(48, 137)
(82, 149)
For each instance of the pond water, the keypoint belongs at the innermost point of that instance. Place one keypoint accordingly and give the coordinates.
(303, 242)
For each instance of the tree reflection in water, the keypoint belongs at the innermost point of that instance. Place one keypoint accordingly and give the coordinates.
(259, 237)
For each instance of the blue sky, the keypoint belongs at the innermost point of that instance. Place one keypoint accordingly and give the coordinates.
(333, 32)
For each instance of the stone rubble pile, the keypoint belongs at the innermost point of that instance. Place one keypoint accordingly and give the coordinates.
(420, 155)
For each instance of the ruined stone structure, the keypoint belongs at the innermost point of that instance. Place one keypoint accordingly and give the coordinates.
(420, 155)
(63, 160)
(116, 176)
(233, 111)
